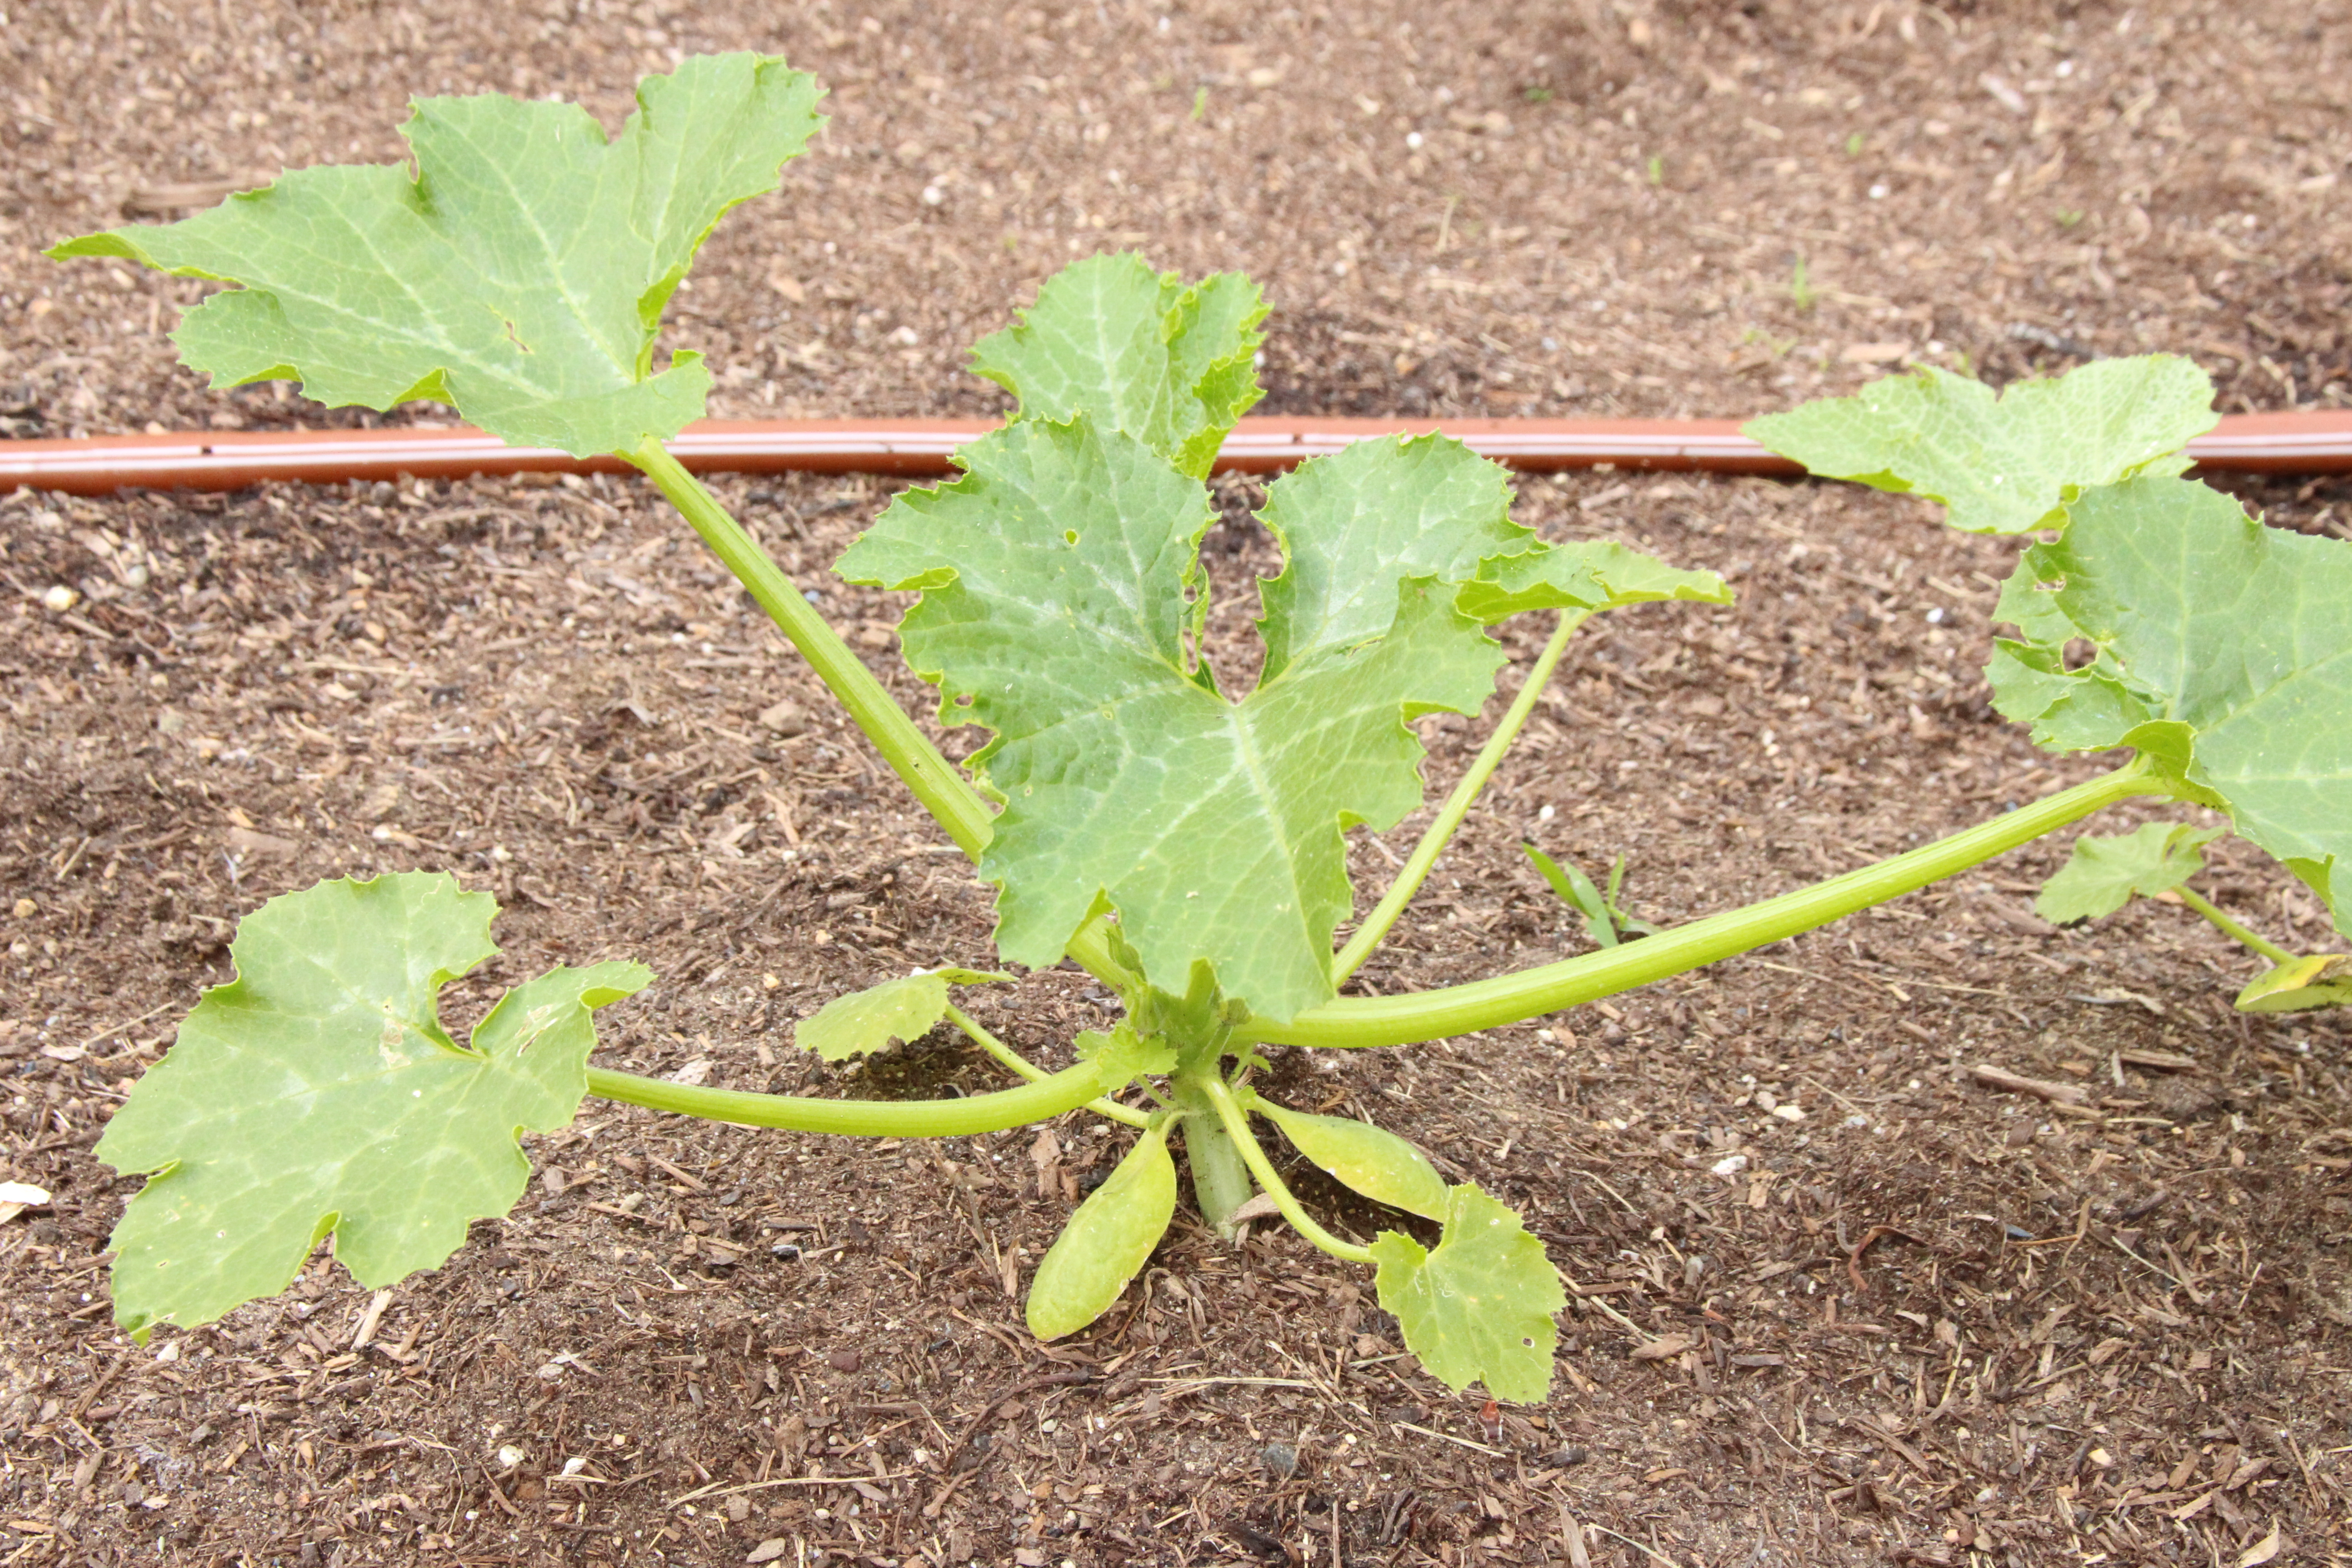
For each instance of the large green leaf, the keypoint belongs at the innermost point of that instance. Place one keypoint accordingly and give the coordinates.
(1060, 583)
(1479, 1307)
(904, 1009)
(1055, 580)
(2223, 651)
(319, 1093)
(1145, 355)
(2103, 874)
(1370, 1159)
(2002, 465)
(1107, 1239)
(520, 275)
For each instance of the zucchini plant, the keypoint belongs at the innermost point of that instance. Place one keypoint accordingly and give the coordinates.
(1185, 842)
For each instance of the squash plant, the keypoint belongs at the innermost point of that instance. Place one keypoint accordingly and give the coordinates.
(1183, 842)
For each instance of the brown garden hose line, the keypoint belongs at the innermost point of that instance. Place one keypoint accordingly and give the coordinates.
(2306, 443)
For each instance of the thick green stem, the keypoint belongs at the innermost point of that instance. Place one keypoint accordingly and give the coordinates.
(1425, 854)
(1236, 1125)
(1360, 1021)
(1221, 1181)
(943, 790)
(1037, 1102)
(2235, 931)
(1030, 1071)
(935, 780)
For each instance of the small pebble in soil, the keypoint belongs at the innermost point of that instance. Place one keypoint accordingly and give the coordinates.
(1282, 1459)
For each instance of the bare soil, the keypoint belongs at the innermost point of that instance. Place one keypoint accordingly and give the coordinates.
(1922, 1322)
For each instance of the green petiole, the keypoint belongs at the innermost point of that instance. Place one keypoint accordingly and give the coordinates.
(2233, 930)
(1236, 1126)
(1046, 1098)
(1368, 1021)
(1030, 1071)
(1417, 866)
(936, 782)
(1220, 1168)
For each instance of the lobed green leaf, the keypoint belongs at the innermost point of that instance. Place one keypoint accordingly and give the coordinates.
(1587, 575)
(1054, 578)
(1061, 595)
(1355, 523)
(2103, 874)
(1138, 352)
(1107, 1239)
(1369, 1160)
(318, 1094)
(2223, 653)
(520, 275)
(2002, 464)
(1480, 1307)
(904, 1009)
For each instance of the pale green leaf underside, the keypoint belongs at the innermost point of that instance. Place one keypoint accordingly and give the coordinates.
(2002, 464)
(2103, 874)
(1138, 351)
(1053, 581)
(1107, 1239)
(521, 277)
(1370, 1159)
(318, 1092)
(1480, 1307)
(2224, 653)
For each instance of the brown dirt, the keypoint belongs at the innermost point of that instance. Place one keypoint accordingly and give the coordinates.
(1926, 1324)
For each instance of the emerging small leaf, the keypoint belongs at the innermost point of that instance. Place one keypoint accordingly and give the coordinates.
(2002, 465)
(1107, 1239)
(1122, 1056)
(869, 1020)
(318, 1092)
(1369, 1159)
(1576, 889)
(1480, 1306)
(520, 275)
(2224, 654)
(2321, 980)
(2103, 875)
(1135, 349)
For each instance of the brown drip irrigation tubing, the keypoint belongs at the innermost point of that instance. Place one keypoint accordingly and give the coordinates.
(2300, 443)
